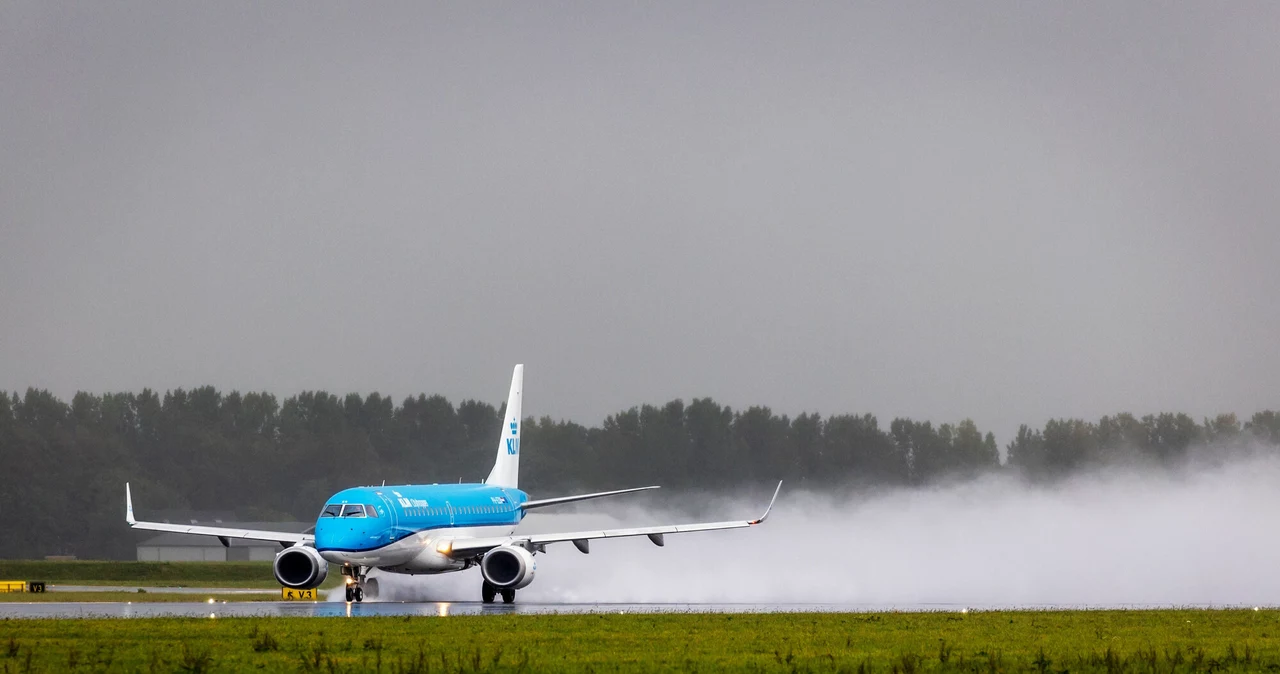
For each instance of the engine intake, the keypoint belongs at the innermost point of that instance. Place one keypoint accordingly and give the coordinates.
(300, 568)
(508, 567)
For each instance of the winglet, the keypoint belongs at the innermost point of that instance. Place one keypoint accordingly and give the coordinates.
(765, 516)
(128, 505)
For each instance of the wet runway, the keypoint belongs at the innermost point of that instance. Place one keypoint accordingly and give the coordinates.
(341, 609)
(444, 609)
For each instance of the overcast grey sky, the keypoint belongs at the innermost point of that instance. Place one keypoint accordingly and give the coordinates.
(1004, 211)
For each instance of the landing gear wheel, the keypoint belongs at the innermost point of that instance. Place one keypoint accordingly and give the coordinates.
(488, 592)
(508, 596)
(350, 594)
(359, 593)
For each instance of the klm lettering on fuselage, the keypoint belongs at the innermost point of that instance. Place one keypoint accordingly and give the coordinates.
(513, 443)
(410, 502)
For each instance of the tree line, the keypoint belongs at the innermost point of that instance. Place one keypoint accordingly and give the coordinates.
(64, 464)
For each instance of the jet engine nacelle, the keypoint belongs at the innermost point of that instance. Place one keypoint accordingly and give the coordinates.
(508, 567)
(300, 568)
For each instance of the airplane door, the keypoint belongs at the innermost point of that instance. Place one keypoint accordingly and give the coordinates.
(392, 515)
(449, 507)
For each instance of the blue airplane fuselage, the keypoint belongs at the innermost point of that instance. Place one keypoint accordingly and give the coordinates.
(380, 526)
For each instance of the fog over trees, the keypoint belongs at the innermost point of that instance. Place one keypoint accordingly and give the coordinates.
(267, 459)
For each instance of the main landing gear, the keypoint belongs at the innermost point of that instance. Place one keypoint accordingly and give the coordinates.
(489, 592)
(355, 581)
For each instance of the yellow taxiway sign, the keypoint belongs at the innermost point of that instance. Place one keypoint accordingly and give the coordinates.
(298, 595)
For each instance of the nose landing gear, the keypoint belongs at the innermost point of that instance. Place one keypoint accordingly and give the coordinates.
(355, 582)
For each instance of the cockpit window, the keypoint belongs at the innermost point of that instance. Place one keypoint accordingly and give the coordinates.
(353, 510)
(332, 510)
(371, 511)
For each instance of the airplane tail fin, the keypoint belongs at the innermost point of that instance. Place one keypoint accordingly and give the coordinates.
(506, 469)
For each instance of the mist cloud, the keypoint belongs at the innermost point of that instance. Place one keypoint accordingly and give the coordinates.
(1201, 536)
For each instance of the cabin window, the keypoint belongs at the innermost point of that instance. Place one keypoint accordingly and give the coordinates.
(371, 511)
(353, 510)
(332, 510)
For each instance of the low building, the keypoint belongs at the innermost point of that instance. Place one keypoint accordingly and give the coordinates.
(167, 547)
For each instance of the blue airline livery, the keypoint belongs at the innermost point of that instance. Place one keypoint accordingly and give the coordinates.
(430, 529)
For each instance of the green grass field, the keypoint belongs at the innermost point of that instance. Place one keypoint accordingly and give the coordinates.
(136, 597)
(1088, 641)
(162, 574)
(137, 572)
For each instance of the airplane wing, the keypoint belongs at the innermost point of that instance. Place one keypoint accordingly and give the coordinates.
(224, 534)
(463, 548)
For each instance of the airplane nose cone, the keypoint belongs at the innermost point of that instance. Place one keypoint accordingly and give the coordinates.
(324, 534)
(327, 540)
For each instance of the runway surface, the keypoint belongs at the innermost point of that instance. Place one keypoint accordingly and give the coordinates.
(335, 609)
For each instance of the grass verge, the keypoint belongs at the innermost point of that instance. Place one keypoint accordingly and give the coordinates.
(1057, 641)
(162, 574)
(135, 597)
(134, 572)
(266, 584)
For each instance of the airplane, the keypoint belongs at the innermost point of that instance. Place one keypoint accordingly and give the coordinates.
(433, 529)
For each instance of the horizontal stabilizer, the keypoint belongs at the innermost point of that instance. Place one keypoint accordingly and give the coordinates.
(542, 503)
